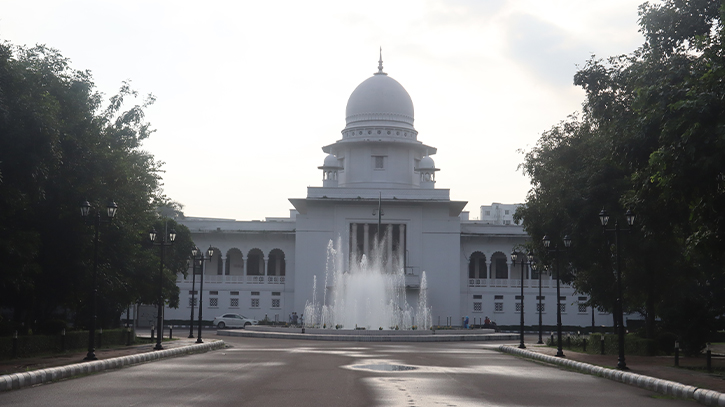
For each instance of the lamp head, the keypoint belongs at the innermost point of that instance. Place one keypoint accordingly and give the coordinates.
(547, 241)
(603, 217)
(567, 241)
(513, 256)
(194, 251)
(210, 251)
(630, 217)
(111, 209)
(152, 235)
(172, 235)
(85, 208)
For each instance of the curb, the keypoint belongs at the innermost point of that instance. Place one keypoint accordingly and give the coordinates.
(666, 387)
(369, 338)
(26, 379)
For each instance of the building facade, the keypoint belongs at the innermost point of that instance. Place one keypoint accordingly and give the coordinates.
(378, 178)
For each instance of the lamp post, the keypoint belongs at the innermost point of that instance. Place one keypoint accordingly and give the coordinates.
(514, 256)
(198, 258)
(111, 210)
(555, 250)
(193, 291)
(604, 220)
(538, 272)
(167, 241)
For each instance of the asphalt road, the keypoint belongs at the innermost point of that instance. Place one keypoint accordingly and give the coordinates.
(263, 372)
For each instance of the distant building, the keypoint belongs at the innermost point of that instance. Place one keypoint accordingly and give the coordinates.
(498, 214)
(268, 268)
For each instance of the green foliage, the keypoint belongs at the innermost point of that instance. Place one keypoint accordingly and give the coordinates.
(58, 147)
(651, 137)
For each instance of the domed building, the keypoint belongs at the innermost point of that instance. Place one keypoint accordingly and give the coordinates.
(378, 179)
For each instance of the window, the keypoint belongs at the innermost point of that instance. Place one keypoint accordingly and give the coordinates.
(518, 307)
(540, 297)
(477, 297)
(194, 302)
(213, 302)
(498, 307)
(506, 212)
(562, 308)
(213, 292)
(540, 307)
(255, 292)
(582, 307)
(379, 162)
(477, 307)
(234, 293)
(562, 298)
(518, 298)
(498, 297)
(582, 298)
(193, 292)
(507, 222)
(275, 293)
(234, 302)
(488, 213)
(255, 302)
(275, 302)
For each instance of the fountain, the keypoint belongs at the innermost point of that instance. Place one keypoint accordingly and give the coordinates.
(366, 296)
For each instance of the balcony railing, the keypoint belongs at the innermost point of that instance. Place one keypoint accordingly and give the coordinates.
(512, 283)
(234, 279)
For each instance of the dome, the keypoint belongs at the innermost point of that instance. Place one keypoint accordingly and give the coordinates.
(426, 163)
(379, 101)
(331, 161)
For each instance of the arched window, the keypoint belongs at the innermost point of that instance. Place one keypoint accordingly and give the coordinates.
(255, 263)
(499, 266)
(235, 263)
(276, 264)
(477, 266)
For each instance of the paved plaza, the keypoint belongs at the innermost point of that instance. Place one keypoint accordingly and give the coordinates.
(284, 372)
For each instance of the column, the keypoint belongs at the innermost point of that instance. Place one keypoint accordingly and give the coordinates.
(366, 243)
(489, 272)
(226, 266)
(389, 234)
(401, 247)
(353, 244)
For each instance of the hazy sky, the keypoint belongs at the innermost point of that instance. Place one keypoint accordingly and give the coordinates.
(249, 91)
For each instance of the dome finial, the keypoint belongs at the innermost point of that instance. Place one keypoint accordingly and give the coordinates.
(380, 64)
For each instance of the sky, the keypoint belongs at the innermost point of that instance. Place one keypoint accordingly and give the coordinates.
(247, 92)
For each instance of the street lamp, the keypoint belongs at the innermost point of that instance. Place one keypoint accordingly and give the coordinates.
(198, 258)
(168, 241)
(604, 220)
(514, 256)
(555, 250)
(193, 291)
(538, 272)
(111, 210)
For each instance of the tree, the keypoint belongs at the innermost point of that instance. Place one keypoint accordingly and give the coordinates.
(651, 138)
(58, 147)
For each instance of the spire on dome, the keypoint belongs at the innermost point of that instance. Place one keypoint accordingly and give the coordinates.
(380, 64)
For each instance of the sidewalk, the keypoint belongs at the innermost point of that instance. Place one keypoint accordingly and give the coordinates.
(660, 367)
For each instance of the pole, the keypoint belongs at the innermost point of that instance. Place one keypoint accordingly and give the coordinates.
(193, 291)
(541, 341)
(201, 294)
(521, 344)
(91, 355)
(159, 322)
(559, 352)
(621, 364)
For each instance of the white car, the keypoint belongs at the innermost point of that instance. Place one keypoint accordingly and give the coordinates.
(233, 321)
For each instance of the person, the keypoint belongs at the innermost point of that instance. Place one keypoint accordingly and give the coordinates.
(302, 319)
(294, 318)
(465, 323)
(486, 322)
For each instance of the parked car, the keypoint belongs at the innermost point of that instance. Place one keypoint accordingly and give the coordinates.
(233, 321)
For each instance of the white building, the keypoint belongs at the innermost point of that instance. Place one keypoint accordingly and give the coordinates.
(266, 268)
